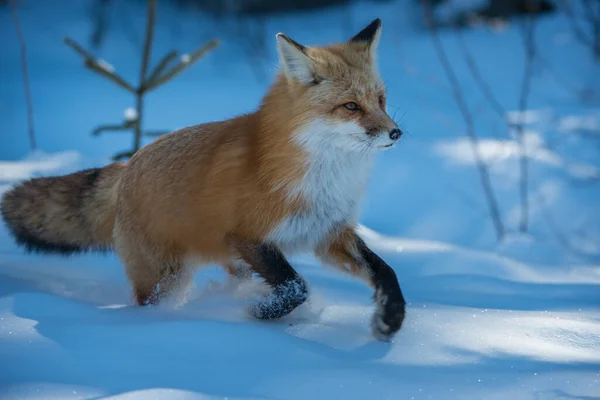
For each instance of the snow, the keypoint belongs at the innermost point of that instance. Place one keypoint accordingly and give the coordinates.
(36, 163)
(516, 319)
(185, 58)
(479, 325)
(502, 153)
(130, 114)
(105, 65)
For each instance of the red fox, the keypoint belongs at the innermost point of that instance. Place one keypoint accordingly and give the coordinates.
(288, 177)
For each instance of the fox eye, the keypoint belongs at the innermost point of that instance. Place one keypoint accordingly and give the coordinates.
(382, 101)
(352, 106)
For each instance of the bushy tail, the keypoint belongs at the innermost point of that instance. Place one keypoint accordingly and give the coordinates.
(64, 214)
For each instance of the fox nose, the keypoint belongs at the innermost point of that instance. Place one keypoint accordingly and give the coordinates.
(395, 134)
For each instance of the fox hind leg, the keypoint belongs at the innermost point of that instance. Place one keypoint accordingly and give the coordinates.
(238, 269)
(154, 272)
(153, 281)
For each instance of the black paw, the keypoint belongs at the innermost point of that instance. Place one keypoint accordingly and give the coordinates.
(389, 316)
(281, 301)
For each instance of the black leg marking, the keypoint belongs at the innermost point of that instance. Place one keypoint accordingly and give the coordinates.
(289, 288)
(391, 306)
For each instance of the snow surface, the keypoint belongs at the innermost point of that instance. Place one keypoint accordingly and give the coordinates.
(518, 319)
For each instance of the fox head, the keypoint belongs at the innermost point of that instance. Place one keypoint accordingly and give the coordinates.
(337, 93)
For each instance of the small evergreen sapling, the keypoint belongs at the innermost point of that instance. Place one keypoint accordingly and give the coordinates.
(165, 70)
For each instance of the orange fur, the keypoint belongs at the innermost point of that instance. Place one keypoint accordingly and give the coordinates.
(342, 252)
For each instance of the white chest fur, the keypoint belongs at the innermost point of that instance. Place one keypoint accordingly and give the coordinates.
(333, 186)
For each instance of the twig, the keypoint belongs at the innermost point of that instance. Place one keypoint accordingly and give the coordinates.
(590, 12)
(473, 139)
(139, 93)
(529, 44)
(183, 64)
(485, 88)
(160, 67)
(113, 128)
(92, 63)
(579, 33)
(594, 21)
(100, 16)
(25, 73)
(78, 49)
(148, 40)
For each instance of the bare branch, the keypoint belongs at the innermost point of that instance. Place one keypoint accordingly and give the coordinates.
(183, 64)
(594, 21)
(25, 73)
(113, 128)
(160, 67)
(529, 43)
(579, 33)
(485, 88)
(473, 139)
(148, 40)
(139, 94)
(83, 52)
(590, 12)
(139, 106)
(92, 63)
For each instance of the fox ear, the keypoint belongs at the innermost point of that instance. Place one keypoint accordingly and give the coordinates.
(369, 36)
(296, 63)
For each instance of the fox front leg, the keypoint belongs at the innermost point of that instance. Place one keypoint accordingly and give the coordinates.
(348, 252)
(391, 306)
(289, 289)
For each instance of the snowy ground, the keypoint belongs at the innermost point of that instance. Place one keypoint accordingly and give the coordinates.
(518, 319)
(479, 325)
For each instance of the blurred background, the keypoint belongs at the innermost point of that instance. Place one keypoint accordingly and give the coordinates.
(500, 100)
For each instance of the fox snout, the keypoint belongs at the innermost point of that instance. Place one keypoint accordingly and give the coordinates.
(384, 137)
(382, 130)
(395, 134)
